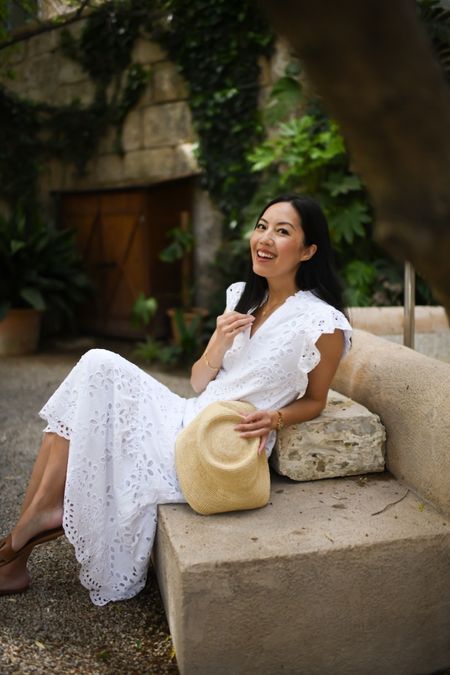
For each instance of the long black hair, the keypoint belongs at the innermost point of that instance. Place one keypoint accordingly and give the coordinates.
(318, 274)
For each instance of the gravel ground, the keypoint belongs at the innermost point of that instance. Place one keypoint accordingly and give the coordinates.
(54, 627)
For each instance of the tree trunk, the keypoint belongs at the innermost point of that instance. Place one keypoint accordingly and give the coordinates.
(372, 63)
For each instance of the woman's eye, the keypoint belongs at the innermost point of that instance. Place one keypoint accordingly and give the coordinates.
(282, 230)
(260, 226)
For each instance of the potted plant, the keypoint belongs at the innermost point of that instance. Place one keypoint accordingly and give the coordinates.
(40, 272)
(186, 318)
(182, 353)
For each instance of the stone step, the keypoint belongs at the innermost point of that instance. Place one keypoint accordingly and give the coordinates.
(342, 576)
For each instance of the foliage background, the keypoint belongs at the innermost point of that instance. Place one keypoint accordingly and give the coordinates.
(246, 156)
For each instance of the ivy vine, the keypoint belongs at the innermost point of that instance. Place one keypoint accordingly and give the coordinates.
(216, 47)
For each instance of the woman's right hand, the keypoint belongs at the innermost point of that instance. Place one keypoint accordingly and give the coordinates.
(229, 325)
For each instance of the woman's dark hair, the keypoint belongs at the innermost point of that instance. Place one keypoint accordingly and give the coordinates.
(318, 274)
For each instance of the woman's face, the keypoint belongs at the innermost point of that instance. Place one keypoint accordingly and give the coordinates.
(277, 244)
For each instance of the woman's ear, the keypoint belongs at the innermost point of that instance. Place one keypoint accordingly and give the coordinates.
(308, 252)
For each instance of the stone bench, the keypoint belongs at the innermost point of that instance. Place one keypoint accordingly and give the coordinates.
(341, 576)
(312, 584)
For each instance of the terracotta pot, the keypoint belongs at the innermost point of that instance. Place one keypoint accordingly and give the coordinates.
(19, 331)
(188, 316)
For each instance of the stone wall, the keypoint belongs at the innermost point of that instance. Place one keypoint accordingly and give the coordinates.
(158, 138)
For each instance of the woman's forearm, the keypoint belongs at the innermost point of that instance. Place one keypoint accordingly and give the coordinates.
(301, 410)
(208, 365)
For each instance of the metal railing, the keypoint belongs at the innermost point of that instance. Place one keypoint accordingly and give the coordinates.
(409, 306)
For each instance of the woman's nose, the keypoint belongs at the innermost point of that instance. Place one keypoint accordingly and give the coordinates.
(267, 236)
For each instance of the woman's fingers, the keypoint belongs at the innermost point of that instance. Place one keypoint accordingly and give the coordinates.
(262, 444)
(254, 424)
(233, 322)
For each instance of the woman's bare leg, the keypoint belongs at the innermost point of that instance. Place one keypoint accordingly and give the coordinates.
(38, 470)
(43, 506)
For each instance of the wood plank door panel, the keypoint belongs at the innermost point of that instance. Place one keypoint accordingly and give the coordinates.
(120, 235)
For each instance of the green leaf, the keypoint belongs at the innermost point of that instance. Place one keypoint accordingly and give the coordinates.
(17, 245)
(144, 309)
(34, 298)
(348, 222)
(341, 184)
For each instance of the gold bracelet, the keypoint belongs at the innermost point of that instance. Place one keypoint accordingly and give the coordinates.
(205, 355)
(280, 422)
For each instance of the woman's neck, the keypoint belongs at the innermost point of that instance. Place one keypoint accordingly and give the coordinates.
(278, 293)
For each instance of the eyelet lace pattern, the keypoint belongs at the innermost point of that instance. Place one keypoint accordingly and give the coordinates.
(122, 425)
(270, 369)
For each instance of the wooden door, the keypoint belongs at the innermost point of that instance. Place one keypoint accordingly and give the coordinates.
(120, 235)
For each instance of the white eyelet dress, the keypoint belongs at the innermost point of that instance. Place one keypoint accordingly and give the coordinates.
(122, 425)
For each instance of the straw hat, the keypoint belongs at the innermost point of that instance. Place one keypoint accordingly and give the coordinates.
(218, 470)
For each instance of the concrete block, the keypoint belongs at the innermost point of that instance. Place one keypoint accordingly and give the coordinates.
(43, 43)
(83, 91)
(167, 124)
(70, 72)
(389, 320)
(14, 54)
(132, 131)
(43, 72)
(146, 52)
(264, 71)
(281, 58)
(109, 169)
(185, 160)
(411, 393)
(149, 164)
(432, 332)
(168, 84)
(108, 142)
(346, 439)
(314, 583)
(207, 224)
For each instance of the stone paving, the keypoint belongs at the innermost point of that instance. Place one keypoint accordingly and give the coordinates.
(54, 627)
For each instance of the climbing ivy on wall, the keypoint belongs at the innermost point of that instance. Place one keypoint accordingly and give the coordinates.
(216, 46)
(32, 133)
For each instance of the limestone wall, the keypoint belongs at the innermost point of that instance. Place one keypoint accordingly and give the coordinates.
(158, 138)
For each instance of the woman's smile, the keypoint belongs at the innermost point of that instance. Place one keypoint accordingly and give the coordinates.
(278, 243)
(264, 255)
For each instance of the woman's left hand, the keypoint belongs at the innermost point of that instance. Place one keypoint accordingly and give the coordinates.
(258, 423)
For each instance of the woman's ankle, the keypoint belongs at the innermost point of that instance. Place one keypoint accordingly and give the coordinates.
(36, 518)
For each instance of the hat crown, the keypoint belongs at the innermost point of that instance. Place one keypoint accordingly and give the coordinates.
(222, 447)
(219, 470)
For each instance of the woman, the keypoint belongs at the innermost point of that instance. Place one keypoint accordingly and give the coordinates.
(277, 345)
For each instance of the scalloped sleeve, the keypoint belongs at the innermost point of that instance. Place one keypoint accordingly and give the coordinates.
(234, 292)
(324, 319)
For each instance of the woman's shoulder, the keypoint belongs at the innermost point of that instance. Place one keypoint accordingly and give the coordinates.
(323, 317)
(234, 292)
